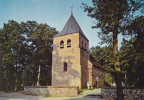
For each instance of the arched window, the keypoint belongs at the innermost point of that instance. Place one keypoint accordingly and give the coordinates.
(62, 44)
(85, 46)
(65, 66)
(68, 43)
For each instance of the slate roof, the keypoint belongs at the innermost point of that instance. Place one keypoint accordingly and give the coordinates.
(71, 27)
(95, 63)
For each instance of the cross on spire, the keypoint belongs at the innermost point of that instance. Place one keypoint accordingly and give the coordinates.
(72, 8)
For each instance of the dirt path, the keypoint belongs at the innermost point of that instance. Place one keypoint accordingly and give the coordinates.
(21, 96)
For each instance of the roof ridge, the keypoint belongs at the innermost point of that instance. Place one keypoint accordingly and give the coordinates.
(95, 62)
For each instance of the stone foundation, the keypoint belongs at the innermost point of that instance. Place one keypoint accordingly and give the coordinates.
(59, 91)
(129, 93)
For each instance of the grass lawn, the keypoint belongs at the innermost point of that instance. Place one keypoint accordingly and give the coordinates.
(81, 90)
(2, 91)
(19, 91)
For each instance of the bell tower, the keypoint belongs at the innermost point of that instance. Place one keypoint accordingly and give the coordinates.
(70, 56)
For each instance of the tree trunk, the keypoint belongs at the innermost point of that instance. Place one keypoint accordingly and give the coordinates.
(38, 75)
(16, 81)
(19, 78)
(0, 67)
(16, 84)
(117, 67)
(140, 45)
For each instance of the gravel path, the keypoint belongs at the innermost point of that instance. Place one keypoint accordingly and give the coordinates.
(21, 96)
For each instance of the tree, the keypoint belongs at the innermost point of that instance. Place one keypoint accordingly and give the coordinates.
(0, 62)
(11, 41)
(110, 16)
(133, 52)
(27, 76)
(104, 56)
(128, 62)
(131, 63)
(39, 41)
(137, 28)
(23, 47)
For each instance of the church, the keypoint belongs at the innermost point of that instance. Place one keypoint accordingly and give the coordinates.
(72, 65)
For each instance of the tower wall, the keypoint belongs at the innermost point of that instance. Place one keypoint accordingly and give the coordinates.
(70, 55)
(84, 57)
(90, 66)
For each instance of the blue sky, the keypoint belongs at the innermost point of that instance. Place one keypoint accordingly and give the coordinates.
(53, 12)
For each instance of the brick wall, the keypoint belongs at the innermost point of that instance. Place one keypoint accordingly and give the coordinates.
(97, 72)
(51, 91)
(71, 55)
(90, 72)
(84, 54)
(78, 71)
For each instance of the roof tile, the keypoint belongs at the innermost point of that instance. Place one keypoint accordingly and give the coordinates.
(94, 62)
(71, 27)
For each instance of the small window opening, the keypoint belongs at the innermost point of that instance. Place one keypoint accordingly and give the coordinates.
(65, 66)
(69, 43)
(62, 44)
(85, 46)
(82, 45)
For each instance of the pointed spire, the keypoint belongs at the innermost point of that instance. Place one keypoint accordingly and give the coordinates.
(71, 27)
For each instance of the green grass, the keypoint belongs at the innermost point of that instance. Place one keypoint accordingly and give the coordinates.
(81, 90)
(7, 91)
(12, 91)
(2, 91)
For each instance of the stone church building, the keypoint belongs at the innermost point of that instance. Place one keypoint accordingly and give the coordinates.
(72, 64)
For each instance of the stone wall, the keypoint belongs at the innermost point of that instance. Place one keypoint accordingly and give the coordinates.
(129, 93)
(51, 91)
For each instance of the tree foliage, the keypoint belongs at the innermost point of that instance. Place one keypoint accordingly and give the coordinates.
(25, 46)
(132, 52)
(111, 17)
(104, 56)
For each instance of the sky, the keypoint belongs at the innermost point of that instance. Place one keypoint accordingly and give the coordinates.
(55, 13)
